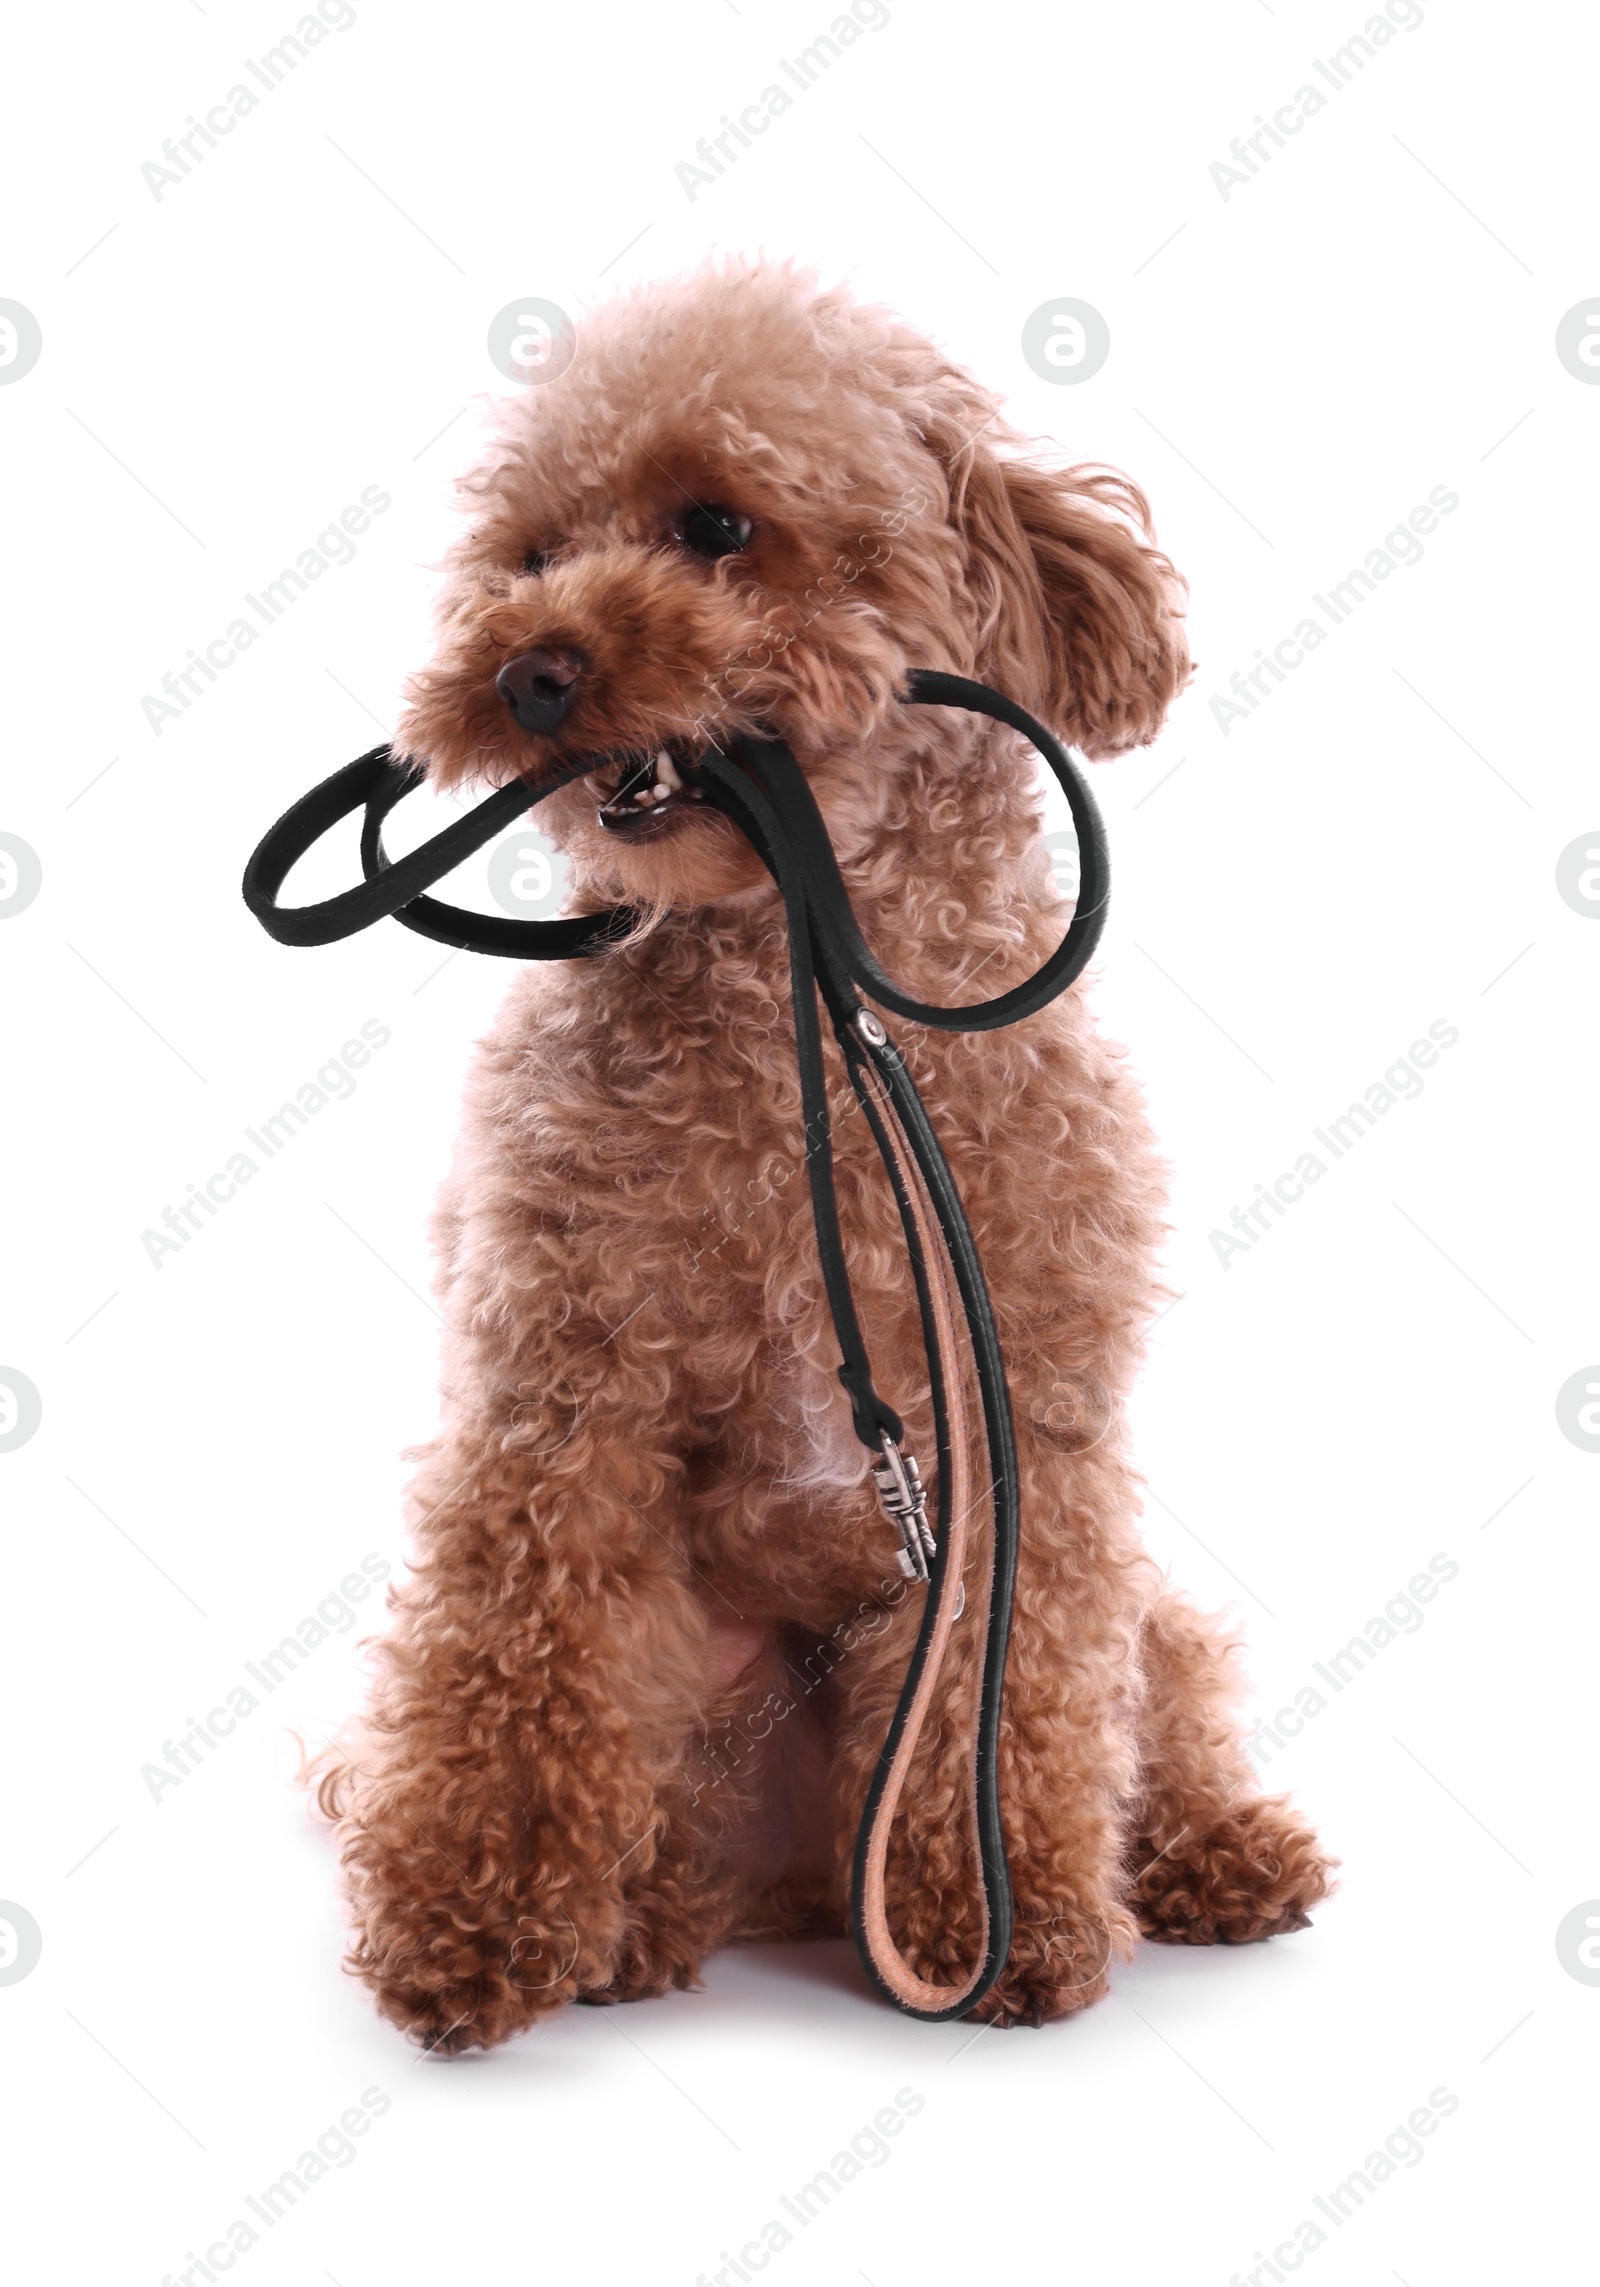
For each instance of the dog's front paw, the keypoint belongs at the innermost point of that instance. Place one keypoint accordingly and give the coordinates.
(450, 1988)
(1055, 1968)
(455, 2014)
(1255, 1874)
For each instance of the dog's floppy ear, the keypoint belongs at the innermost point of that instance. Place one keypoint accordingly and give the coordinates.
(1082, 614)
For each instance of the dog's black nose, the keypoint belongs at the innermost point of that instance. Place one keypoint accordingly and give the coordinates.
(538, 687)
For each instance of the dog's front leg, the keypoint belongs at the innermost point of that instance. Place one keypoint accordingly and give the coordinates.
(532, 1715)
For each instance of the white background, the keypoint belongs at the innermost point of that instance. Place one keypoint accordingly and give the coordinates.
(1292, 369)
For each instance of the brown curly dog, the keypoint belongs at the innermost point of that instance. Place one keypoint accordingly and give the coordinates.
(644, 1664)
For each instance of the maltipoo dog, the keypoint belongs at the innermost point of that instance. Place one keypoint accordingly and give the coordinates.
(642, 1669)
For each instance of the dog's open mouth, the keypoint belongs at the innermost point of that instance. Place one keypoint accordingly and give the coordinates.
(643, 795)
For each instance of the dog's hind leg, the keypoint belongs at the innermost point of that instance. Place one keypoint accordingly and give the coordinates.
(1213, 1860)
(1068, 1759)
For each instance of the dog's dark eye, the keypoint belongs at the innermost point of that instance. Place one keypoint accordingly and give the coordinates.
(712, 531)
(534, 562)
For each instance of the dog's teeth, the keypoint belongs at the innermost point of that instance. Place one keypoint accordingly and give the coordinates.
(666, 776)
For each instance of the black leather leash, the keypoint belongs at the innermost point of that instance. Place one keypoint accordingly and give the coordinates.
(757, 783)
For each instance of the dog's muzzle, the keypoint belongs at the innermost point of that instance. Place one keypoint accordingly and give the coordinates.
(539, 687)
(758, 785)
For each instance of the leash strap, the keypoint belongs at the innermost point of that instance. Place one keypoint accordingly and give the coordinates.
(758, 784)
(771, 800)
(875, 1941)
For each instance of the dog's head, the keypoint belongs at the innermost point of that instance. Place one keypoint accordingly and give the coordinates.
(751, 502)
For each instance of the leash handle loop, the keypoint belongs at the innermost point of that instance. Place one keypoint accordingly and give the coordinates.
(375, 781)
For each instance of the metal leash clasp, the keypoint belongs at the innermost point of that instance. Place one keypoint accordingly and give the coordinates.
(905, 1503)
